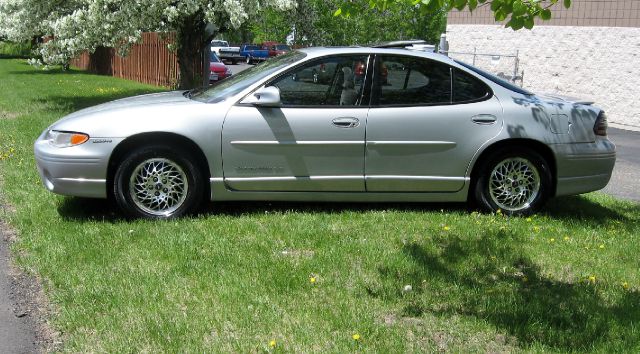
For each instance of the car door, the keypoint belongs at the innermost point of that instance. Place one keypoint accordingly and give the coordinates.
(426, 122)
(313, 141)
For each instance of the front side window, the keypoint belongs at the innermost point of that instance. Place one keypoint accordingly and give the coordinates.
(331, 81)
(402, 81)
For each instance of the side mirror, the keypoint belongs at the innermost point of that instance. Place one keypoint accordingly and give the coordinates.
(265, 97)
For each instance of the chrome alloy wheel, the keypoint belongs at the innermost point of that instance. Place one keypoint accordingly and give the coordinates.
(158, 186)
(514, 184)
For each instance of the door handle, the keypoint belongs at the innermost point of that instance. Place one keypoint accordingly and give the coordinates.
(346, 122)
(484, 119)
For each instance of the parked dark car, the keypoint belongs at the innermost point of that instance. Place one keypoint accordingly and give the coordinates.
(253, 53)
(217, 69)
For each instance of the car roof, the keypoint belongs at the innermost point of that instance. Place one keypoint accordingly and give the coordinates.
(313, 52)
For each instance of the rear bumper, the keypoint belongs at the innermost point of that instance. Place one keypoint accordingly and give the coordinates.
(585, 167)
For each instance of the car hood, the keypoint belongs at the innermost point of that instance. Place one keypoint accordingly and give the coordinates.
(111, 118)
(163, 98)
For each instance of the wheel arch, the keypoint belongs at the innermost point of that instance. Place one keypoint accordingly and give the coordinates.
(161, 138)
(535, 145)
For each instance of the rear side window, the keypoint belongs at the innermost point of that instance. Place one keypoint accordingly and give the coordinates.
(467, 88)
(402, 81)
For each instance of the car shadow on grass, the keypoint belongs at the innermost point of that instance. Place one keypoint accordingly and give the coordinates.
(570, 208)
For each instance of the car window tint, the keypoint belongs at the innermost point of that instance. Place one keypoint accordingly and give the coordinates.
(333, 81)
(467, 88)
(411, 81)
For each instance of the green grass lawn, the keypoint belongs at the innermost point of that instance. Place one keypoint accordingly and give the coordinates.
(311, 277)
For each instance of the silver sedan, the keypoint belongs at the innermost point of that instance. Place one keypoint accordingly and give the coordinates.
(387, 124)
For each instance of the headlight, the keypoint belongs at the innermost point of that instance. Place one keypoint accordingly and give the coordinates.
(65, 139)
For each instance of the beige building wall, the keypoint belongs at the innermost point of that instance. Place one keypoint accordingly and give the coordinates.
(590, 51)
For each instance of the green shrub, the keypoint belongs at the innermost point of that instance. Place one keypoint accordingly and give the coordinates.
(15, 49)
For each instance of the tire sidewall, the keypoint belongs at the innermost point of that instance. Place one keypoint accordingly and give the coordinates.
(481, 190)
(131, 161)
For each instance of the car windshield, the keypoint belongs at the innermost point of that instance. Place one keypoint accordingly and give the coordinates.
(236, 83)
(495, 79)
(214, 58)
(251, 47)
(282, 47)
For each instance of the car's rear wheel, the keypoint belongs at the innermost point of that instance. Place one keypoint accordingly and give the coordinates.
(517, 182)
(157, 182)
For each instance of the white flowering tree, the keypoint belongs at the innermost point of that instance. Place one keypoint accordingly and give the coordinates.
(78, 25)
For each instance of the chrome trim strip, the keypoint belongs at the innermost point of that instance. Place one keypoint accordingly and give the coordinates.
(81, 180)
(417, 178)
(293, 143)
(415, 142)
(324, 178)
(292, 178)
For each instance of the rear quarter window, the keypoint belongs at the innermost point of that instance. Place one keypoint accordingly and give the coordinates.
(467, 88)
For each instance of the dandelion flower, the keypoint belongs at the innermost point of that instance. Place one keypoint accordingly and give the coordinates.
(566, 238)
(552, 240)
(355, 336)
(528, 219)
(592, 279)
(272, 343)
(625, 285)
(601, 246)
(446, 228)
(312, 279)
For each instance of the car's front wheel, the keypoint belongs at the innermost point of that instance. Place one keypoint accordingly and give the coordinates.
(517, 182)
(249, 60)
(157, 182)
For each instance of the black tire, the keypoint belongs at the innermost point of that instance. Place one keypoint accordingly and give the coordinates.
(516, 181)
(161, 193)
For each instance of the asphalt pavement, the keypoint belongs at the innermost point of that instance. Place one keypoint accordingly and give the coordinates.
(625, 182)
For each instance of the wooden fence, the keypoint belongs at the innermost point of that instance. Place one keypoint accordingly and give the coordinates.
(149, 62)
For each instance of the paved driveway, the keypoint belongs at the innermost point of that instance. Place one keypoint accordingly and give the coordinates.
(625, 182)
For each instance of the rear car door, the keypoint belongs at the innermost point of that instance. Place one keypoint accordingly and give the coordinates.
(314, 141)
(427, 121)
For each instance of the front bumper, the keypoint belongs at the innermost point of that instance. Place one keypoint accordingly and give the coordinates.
(584, 167)
(75, 171)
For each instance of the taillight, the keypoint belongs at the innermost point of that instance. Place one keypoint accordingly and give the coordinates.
(600, 128)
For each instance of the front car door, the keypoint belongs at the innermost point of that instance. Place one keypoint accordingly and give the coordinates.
(314, 141)
(427, 121)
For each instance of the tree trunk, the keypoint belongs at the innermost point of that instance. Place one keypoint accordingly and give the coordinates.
(192, 51)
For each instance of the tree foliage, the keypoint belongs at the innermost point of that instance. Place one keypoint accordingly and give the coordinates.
(312, 22)
(78, 25)
(517, 13)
